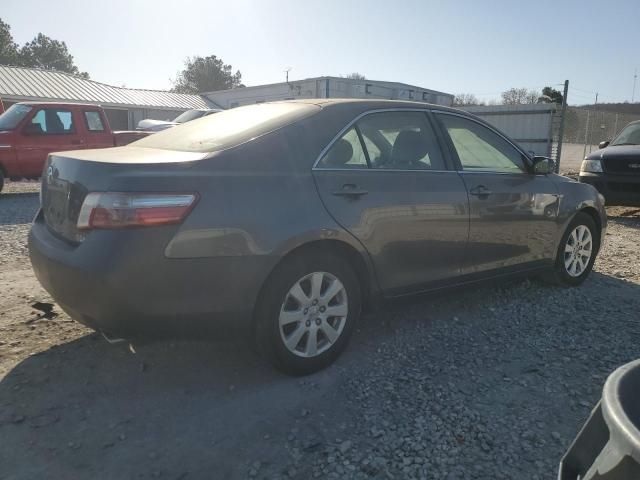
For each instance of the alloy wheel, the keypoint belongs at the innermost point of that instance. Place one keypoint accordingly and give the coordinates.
(313, 314)
(578, 251)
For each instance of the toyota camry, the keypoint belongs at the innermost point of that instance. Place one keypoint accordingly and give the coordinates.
(289, 218)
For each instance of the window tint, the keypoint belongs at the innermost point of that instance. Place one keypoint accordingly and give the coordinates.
(228, 128)
(481, 149)
(53, 121)
(401, 140)
(94, 121)
(346, 152)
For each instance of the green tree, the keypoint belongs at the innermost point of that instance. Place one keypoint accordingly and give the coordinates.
(206, 74)
(49, 54)
(555, 96)
(8, 48)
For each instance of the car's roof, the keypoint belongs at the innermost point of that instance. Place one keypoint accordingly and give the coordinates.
(367, 104)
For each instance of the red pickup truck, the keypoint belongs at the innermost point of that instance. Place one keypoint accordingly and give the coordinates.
(30, 131)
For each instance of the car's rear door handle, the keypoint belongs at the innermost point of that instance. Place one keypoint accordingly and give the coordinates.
(480, 191)
(350, 190)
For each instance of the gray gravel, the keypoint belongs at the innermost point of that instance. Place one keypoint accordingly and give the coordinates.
(481, 383)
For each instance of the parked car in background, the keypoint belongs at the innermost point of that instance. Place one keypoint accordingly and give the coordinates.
(614, 169)
(30, 131)
(150, 125)
(288, 218)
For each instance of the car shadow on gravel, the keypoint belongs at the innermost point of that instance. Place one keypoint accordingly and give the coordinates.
(89, 409)
(17, 208)
(482, 376)
(629, 218)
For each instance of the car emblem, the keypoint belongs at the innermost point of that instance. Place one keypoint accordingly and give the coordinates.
(634, 165)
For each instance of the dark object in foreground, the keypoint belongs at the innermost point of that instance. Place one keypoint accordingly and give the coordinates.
(608, 446)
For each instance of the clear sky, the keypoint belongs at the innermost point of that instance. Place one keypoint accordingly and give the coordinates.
(481, 47)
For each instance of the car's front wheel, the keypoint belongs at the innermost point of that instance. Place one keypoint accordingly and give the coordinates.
(307, 312)
(577, 251)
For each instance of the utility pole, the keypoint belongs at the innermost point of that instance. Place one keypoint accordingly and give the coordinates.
(561, 131)
(586, 135)
(595, 105)
(287, 70)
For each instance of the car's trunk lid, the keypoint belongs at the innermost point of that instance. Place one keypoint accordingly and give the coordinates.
(69, 176)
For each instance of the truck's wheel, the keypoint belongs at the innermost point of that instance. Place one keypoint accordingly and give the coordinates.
(1, 180)
(307, 312)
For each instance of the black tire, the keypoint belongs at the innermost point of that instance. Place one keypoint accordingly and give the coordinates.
(1, 179)
(268, 336)
(560, 275)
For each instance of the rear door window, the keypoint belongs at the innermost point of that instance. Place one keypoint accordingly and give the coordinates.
(94, 121)
(53, 121)
(401, 141)
(346, 152)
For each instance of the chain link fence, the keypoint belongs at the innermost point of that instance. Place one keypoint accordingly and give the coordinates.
(584, 129)
(592, 126)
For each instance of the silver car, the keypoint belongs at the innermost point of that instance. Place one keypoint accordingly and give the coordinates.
(287, 219)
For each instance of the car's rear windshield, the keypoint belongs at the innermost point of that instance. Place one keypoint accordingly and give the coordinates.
(188, 116)
(228, 128)
(13, 116)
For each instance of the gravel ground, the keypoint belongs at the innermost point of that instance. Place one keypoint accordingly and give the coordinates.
(483, 383)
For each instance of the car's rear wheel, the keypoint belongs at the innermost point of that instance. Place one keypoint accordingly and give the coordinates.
(577, 251)
(307, 312)
(1, 179)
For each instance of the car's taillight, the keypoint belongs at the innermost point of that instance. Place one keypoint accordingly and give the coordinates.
(119, 210)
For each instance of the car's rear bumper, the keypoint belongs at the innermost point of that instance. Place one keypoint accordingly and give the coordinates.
(122, 284)
(617, 189)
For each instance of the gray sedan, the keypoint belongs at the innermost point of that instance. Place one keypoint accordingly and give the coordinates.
(289, 218)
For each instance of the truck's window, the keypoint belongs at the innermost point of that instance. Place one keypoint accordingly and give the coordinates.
(54, 121)
(94, 121)
(13, 116)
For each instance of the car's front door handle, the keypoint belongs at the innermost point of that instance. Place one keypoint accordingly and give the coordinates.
(350, 190)
(480, 191)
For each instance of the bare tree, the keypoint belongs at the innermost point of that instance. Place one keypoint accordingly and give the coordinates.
(463, 99)
(356, 76)
(519, 96)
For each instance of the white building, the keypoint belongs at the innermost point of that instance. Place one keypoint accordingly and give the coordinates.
(124, 107)
(326, 87)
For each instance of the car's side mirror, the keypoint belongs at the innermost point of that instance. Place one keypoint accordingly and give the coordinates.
(604, 144)
(32, 129)
(543, 165)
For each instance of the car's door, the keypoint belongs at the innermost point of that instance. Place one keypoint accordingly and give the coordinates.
(50, 129)
(513, 211)
(95, 132)
(385, 179)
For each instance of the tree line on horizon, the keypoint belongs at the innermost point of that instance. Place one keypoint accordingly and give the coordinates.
(513, 96)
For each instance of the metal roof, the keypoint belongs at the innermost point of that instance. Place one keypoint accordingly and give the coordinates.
(18, 83)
